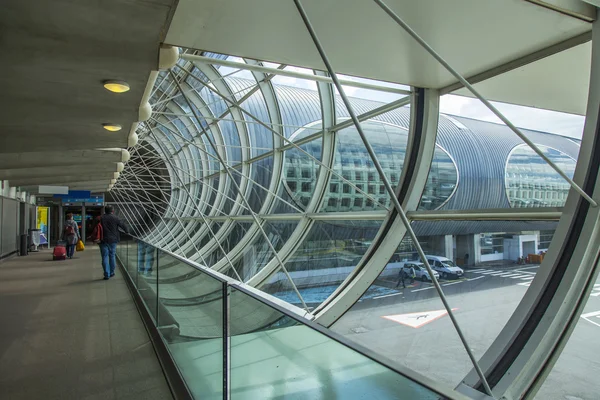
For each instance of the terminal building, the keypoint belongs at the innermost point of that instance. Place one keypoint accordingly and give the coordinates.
(320, 200)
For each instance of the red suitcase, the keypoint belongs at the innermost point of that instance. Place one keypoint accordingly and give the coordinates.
(60, 253)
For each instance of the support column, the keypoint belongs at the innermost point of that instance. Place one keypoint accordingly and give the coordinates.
(468, 245)
(83, 223)
(441, 245)
(61, 220)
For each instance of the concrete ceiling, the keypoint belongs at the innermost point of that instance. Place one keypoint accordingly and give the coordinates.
(55, 56)
(474, 36)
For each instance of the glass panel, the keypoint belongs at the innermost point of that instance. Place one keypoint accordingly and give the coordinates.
(274, 357)
(442, 181)
(327, 256)
(494, 168)
(484, 268)
(142, 271)
(257, 254)
(356, 186)
(531, 182)
(132, 258)
(191, 324)
(575, 374)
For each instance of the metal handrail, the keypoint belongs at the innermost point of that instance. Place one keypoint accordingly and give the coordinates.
(303, 317)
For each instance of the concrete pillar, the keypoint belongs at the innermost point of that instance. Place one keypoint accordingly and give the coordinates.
(468, 244)
(83, 220)
(441, 245)
(61, 221)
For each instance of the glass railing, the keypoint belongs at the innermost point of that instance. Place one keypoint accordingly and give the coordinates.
(229, 342)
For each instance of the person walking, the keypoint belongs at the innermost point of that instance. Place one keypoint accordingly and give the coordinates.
(110, 237)
(412, 274)
(70, 235)
(401, 278)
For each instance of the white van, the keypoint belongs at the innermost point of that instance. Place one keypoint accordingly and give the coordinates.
(445, 267)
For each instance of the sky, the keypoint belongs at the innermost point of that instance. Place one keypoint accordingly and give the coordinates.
(524, 117)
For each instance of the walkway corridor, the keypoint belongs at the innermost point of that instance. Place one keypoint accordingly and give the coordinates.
(67, 334)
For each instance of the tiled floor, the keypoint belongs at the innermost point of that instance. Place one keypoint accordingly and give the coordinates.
(67, 334)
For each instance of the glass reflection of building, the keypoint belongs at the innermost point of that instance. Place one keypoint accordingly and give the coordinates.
(355, 184)
(531, 182)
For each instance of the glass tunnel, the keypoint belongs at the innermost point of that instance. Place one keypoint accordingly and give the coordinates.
(261, 176)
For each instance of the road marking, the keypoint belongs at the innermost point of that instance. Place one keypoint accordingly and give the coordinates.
(526, 284)
(502, 274)
(452, 283)
(476, 270)
(487, 272)
(418, 290)
(474, 279)
(536, 266)
(387, 295)
(527, 278)
(520, 276)
(418, 319)
(590, 315)
(512, 275)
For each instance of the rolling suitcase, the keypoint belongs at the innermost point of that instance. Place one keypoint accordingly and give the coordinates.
(60, 251)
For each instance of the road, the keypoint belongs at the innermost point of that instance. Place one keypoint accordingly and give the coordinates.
(410, 327)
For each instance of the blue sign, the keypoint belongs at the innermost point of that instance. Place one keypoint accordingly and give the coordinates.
(81, 196)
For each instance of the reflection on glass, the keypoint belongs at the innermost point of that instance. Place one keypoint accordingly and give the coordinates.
(190, 320)
(531, 182)
(441, 181)
(275, 357)
(258, 253)
(330, 252)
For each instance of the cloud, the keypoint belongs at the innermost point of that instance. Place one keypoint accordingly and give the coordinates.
(523, 117)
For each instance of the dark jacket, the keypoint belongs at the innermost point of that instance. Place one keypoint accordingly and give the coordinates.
(110, 225)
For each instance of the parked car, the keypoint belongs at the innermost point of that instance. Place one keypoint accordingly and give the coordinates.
(445, 267)
(420, 271)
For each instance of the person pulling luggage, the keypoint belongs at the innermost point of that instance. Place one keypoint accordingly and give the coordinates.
(70, 235)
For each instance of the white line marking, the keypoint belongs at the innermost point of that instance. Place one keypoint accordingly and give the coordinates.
(520, 276)
(488, 272)
(387, 295)
(453, 283)
(512, 275)
(474, 279)
(595, 294)
(476, 270)
(418, 290)
(589, 315)
(527, 284)
(501, 273)
(537, 266)
(528, 278)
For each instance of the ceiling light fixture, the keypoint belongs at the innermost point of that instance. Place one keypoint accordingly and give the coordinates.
(116, 86)
(112, 127)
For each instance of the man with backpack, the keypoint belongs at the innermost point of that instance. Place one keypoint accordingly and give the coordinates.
(110, 225)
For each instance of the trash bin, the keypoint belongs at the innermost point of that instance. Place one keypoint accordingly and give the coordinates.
(35, 235)
(23, 245)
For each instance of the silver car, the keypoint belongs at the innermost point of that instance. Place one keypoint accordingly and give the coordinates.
(420, 271)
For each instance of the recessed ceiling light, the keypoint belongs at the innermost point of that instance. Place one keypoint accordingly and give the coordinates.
(112, 127)
(116, 86)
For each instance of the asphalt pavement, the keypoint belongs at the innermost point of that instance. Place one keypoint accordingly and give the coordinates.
(411, 327)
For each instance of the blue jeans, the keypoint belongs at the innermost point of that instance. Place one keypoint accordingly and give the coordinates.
(109, 262)
(145, 257)
(70, 250)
